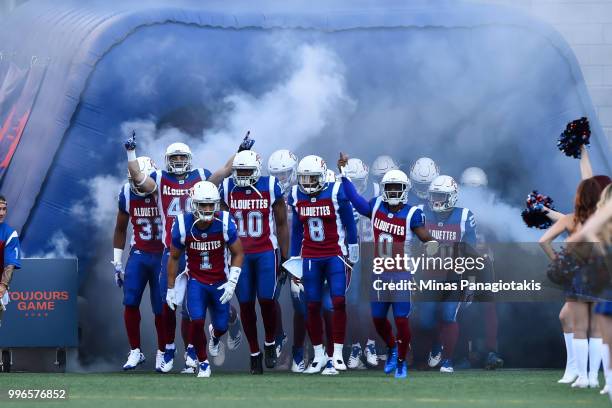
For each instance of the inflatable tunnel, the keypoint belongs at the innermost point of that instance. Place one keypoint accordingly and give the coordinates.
(464, 83)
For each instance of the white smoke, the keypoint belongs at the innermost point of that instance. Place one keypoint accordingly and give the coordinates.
(56, 247)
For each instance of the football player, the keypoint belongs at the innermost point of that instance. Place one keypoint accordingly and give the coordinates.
(282, 164)
(322, 217)
(205, 235)
(257, 204)
(476, 178)
(447, 224)
(357, 171)
(422, 173)
(380, 166)
(394, 222)
(143, 264)
(10, 254)
(172, 186)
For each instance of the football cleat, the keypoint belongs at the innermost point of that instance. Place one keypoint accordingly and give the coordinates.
(391, 363)
(316, 365)
(191, 360)
(568, 378)
(581, 382)
(159, 356)
(329, 368)
(270, 355)
(257, 364)
(297, 365)
(402, 370)
(213, 342)
(447, 366)
(354, 361)
(204, 370)
(494, 361)
(168, 361)
(435, 356)
(234, 336)
(593, 382)
(135, 358)
(370, 354)
(605, 390)
(188, 370)
(280, 343)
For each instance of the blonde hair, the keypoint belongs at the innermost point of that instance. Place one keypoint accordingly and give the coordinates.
(606, 232)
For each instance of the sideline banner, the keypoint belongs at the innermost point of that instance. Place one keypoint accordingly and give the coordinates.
(42, 311)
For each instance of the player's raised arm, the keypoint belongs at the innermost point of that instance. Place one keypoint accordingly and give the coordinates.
(142, 181)
(359, 203)
(553, 232)
(217, 177)
(586, 170)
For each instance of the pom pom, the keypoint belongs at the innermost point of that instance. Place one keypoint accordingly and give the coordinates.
(576, 134)
(537, 206)
(563, 268)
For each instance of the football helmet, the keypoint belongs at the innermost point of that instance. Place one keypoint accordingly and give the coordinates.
(394, 187)
(443, 192)
(245, 161)
(203, 194)
(282, 164)
(422, 173)
(146, 166)
(178, 158)
(383, 164)
(311, 174)
(474, 177)
(357, 171)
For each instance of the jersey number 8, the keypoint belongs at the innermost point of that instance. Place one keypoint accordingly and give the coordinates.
(316, 229)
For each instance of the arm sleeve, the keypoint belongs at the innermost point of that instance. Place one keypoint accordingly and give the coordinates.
(176, 234)
(418, 219)
(470, 230)
(297, 234)
(232, 231)
(207, 174)
(346, 215)
(361, 204)
(12, 251)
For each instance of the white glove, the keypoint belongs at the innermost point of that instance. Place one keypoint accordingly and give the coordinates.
(229, 287)
(171, 298)
(431, 247)
(353, 253)
(119, 275)
(296, 288)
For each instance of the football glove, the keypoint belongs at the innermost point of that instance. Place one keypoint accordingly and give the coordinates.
(229, 287)
(431, 247)
(119, 275)
(353, 253)
(130, 144)
(247, 142)
(296, 287)
(171, 298)
(282, 272)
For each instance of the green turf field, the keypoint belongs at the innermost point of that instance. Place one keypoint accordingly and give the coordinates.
(472, 388)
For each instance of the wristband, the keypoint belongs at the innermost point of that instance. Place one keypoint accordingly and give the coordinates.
(234, 273)
(131, 155)
(117, 255)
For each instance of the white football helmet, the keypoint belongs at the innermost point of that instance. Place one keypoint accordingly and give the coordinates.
(330, 176)
(422, 173)
(311, 174)
(282, 165)
(383, 164)
(178, 158)
(357, 171)
(205, 200)
(394, 187)
(443, 192)
(147, 166)
(246, 160)
(474, 177)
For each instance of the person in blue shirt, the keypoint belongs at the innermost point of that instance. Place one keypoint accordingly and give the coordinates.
(10, 253)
